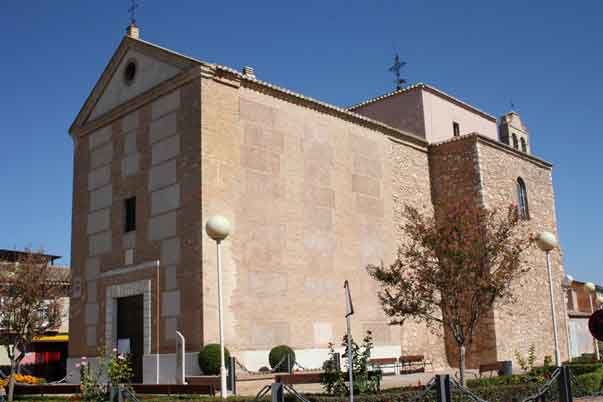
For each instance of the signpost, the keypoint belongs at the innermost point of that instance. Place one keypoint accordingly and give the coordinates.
(349, 310)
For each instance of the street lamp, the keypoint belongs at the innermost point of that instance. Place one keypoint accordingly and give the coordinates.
(566, 284)
(546, 241)
(591, 288)
(218, 228)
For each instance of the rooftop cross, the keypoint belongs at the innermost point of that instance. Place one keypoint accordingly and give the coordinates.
(395, 68)
(132, 10)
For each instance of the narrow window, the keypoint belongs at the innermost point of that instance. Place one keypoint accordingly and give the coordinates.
(130, 214)
(515, 144)
(522, 200)
(524, 147)
(456, 129)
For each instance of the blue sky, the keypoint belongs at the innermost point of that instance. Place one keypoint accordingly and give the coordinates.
(544, 56)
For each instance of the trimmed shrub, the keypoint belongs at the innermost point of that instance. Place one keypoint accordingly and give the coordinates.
(209, 359)
(584, 368)
(590, 382)
(277, 357)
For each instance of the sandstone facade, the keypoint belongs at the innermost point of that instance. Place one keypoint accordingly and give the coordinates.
(314, 194)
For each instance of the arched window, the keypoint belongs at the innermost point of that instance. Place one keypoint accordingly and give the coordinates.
(515, 144)
(522, 200)
(524, 147)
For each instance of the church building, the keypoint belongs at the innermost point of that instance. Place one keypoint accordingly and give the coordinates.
(314, 193)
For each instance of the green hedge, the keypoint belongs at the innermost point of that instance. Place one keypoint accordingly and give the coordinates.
(276, 356)
(584, 368)
(589, 383)
(209, 359)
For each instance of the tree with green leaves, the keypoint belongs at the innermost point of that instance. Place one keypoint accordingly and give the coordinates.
(453, 268)
(30, 305)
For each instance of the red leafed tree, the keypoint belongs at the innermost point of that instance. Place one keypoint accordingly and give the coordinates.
(30, 305)
(453, 268)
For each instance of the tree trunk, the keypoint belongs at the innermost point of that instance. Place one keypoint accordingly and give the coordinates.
(462, 364)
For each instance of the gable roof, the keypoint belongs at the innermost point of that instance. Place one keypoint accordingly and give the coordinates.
(187, 61)
(434, 90)
(126, 44)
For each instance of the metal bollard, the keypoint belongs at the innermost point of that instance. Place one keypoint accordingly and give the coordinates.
(565, 384)
(231, 379)
(278, 394)
(443, 388)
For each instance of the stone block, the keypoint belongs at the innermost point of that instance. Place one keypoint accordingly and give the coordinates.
(366, 185)
(129, 121)
(170, 326)
(319, 218)
(99, 243)
(170, 251)
(367, 167)
(98, 221)
(162, 226)
(267, 284)
(92, 268)
(170, 277)
(323, 333)
(253, 111)
(91, 292)
(101, 198)
(130, 165)
(163, 128)
(101, 155)
(165, 104)
(165, 199)
(268, 334)
(166, 149)
(130, 143)
(369, 206)
(260, 159)
(99, 177)
(91, 310)
(170, 303)
(91, 335)
(99, 137)
(162, 175)
(319, 196)
(129, 240)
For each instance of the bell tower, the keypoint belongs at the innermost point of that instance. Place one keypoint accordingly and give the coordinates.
(513, 132)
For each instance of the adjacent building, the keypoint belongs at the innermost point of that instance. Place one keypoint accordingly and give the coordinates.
(315, 193)
(47, 355)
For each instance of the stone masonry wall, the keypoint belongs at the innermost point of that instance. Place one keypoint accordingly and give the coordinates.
(455, 178)
(527, 322)
(151, 153)
(313, 199)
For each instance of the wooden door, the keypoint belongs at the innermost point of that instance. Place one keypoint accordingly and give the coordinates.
(130, 328)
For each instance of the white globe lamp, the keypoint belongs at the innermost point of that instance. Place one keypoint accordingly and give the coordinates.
(218, 228)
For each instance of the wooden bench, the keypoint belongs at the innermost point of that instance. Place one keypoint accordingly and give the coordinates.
(299, 378)
(490, 367)
(210, 381)
(379, 363)
(413, 364)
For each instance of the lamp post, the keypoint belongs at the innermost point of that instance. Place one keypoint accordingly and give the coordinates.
(591, 288)
(546, 241)
(567, 285)
(218, 228)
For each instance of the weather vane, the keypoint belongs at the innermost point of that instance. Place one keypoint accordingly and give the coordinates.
(395, 68)
(132, 10)
(512, 105)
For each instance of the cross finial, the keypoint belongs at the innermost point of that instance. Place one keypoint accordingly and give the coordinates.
(132, 10)
(395, 68)
(512, 105)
